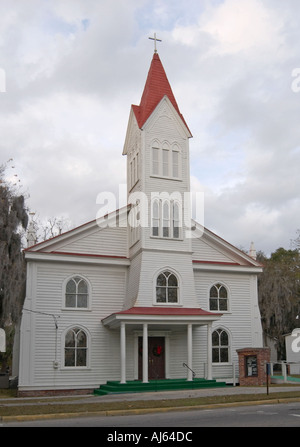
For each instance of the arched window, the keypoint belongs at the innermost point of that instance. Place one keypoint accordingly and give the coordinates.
(220, 346)
(166, 218)
(166, 288)
(76, 293)
(218, 298)
(76, 348)
(165, 160)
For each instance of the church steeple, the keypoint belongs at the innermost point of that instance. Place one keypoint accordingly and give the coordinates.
(157, 86)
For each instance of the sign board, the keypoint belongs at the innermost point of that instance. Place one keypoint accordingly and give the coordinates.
(251, 365)
(2, 340)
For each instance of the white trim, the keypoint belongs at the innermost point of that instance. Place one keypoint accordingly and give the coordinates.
(123, 352)
(77, 258)
(226, 267)
(145, 353)
(190, 352)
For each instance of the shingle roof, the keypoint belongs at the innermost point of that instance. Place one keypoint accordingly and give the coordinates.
(156, 87)
(165, 311)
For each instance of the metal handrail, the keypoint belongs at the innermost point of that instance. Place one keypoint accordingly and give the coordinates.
(187, 366)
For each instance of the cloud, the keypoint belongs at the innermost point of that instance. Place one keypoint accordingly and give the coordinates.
(73, 69)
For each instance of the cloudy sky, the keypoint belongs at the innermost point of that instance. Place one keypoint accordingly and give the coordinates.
(70, 70)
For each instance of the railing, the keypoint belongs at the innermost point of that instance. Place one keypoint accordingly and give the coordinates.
(285, 368)
(232, 372)
(187, 366)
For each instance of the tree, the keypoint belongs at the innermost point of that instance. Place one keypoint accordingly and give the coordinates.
(279, 294)
(13, 217)
(48, 228)
(296, 242)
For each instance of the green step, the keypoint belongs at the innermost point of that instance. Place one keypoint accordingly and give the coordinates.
(115, 387)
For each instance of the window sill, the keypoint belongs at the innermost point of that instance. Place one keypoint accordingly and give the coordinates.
(222, 364)
(222, 312)
(75, 368)
(177, 179)
(167, 238)
(167, 304)
(76, 309)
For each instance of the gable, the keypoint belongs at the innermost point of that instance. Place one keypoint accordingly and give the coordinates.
(104, 237)
(211, 249)
(102, 241)
(166, 111)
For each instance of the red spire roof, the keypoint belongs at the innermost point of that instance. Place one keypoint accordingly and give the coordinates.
(156, 87)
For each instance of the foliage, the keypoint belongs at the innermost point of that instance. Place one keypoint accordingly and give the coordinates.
(13, 217)
(279, 295)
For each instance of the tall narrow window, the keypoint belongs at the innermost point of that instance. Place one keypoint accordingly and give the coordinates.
(155, 218)
(165, 170)
(176, 220)
(137, 167)
(76, 293)
(175, 164)
(218, 298)
(76, 348)
(155, 161)
(166, 288)
(220, 346)
(166, 219)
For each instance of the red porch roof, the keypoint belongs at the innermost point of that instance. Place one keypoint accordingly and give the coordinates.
(165, 311)
(161, 315)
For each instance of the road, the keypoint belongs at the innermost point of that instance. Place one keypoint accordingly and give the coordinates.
(271, 415)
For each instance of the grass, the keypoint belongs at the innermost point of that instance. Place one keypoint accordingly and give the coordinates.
(64, 405)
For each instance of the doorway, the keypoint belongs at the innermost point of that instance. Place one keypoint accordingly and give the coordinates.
(156, 358)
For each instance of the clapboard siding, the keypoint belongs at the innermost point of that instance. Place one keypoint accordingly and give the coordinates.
(203, 251)
(133, 282)
(108, 293)
(102, 241)
(238, 320)
(153, 263)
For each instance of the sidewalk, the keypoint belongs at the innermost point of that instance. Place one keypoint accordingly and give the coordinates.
(64, 401)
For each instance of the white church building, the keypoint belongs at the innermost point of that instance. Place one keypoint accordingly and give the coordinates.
(145, 292)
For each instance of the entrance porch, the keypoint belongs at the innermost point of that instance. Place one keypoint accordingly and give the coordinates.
(152, 328)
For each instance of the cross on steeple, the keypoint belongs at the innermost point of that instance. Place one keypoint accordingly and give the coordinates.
(155, 40)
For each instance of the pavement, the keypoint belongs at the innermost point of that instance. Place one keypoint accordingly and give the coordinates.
(153, 396)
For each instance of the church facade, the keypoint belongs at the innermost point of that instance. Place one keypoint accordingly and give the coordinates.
(144, 292)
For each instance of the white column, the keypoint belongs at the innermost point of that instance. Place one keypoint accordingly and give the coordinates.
(145, 353)
(123, 352)
(209, 351)
(190, 351)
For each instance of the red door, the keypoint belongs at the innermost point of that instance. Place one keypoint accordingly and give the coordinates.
(156, 358)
